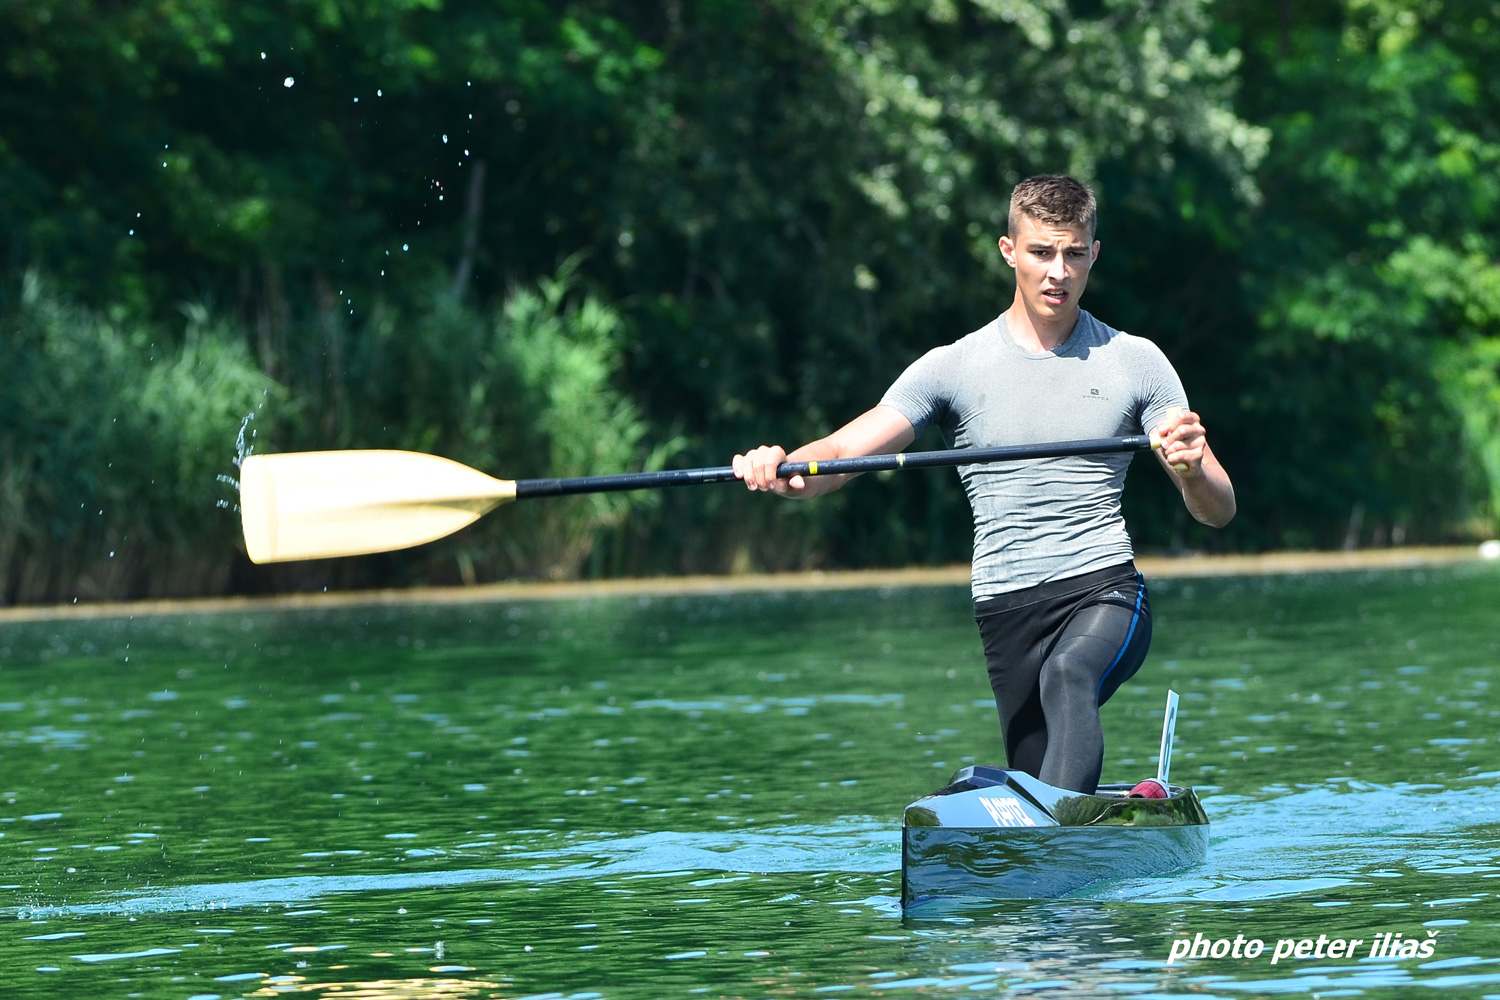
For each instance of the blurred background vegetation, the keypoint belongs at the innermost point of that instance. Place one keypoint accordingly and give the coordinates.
(581, 236)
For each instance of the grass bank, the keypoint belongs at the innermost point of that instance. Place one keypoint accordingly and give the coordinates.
(1154, 567)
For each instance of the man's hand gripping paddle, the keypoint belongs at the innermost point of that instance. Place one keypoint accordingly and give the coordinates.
(1173, 412)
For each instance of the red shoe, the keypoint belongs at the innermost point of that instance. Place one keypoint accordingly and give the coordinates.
(1151, 788)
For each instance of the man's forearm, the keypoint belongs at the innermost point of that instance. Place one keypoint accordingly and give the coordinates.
(877, 431)
(1209, 496)
(823, 450)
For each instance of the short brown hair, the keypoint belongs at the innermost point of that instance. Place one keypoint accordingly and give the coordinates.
(1053, 200)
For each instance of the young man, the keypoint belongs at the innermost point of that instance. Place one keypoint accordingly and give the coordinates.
(1062, 612)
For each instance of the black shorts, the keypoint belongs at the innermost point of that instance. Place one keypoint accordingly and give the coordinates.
(1055, 653)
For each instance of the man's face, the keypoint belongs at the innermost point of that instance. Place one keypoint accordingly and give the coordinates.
(1052, 265)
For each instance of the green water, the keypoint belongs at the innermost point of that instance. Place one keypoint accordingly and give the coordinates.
(701, 796)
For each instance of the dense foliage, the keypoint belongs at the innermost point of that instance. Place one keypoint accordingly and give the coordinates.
(580, 235)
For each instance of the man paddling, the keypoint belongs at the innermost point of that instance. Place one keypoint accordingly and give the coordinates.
(1062, 612)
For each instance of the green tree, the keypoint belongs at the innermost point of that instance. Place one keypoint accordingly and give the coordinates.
(1372, 267)
(814, 195)
(769, 209)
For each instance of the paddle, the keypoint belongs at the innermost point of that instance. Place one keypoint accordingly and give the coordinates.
(319, 504)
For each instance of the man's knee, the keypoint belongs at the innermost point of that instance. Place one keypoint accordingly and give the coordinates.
(1070, 672)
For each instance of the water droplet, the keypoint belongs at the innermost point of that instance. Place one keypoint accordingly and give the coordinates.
(379, 93)
(262, 55)
(288, 82)
(242, 450)
(445, 140)
(111, 555)
(405, 247)
(356, 100)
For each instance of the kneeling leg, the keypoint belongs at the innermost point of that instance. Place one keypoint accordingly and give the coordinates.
(1102, 646)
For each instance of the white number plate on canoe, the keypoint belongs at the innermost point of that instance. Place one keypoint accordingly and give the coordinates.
(1006, 812)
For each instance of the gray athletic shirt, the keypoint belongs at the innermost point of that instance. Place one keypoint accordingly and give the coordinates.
(1054, 518)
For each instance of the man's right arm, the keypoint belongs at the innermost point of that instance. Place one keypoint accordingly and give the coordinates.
(879, 431)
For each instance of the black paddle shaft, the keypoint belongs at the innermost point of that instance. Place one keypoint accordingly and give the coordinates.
(832, 467)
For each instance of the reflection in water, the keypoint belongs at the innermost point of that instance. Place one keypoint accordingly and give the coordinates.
(637, 798)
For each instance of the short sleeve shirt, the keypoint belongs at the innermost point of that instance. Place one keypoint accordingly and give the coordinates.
(1046, 519)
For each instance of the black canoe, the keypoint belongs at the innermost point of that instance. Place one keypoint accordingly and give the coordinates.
(999, 834)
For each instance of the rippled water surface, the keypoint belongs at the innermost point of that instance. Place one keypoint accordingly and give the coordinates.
(643, 797)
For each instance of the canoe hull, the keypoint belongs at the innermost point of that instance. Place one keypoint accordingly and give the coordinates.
(996, 834)
(1037, 864)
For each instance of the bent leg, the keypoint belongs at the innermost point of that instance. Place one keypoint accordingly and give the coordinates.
(1102, 646)
(1013, 658)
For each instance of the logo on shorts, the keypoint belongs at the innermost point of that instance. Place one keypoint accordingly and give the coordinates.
(1097, 395)
(1116, 595)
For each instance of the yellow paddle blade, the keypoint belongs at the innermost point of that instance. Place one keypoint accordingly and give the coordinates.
(320, 504)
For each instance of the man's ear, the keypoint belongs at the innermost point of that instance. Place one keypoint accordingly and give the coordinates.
(1095, 255)
(1008, 251)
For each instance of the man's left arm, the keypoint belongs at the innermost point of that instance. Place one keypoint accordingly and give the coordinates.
(1202, 481)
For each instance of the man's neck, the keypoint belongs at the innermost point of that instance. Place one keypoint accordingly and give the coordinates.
(1039, 334)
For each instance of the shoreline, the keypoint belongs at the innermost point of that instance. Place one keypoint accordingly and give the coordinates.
(1157, 567)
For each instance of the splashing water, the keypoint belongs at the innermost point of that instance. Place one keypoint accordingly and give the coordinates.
(243, 449)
